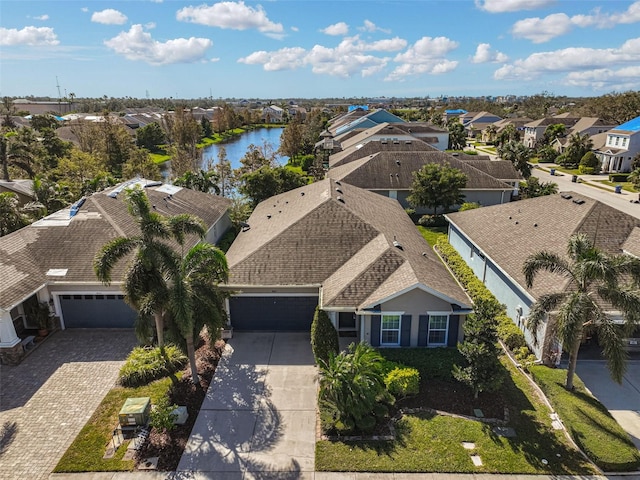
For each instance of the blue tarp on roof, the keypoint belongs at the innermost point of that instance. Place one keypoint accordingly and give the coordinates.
(455, 112)
(631, 125)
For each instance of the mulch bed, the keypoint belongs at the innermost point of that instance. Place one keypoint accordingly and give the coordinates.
(454, 397)
(170, 446)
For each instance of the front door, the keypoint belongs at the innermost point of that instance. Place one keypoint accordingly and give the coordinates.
(347, 325)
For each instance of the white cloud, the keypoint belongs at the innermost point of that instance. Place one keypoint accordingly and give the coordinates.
(109, 16)
(339, 28)
(426, 56)
(232, 15)
(295, 29)
(371, 27)
(84, 9)
(501, 6)
(626, 78)
(136, 44)
(42, 17)
(484, 54)
(540, 30)
(575, 62)
(283, 59)
(28, 36)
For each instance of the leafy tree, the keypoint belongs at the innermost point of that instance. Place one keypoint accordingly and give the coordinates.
(547, 154)
(42, 122)
(140, 164)
(52, 196)
(19, 150)
(595, 279)
(457, 134)
(324, 337)
(205, 125)
(483, 371)
(436, 185)
(518, 154)
(150, 136)
(11, 216)
(291, 140)
(634, 177)
(590, 163)
(200, 181)
(267, 182)
(225, 173)
(146, 278)
(8, 110)
(532, 187)
(195, 300)
(635, 163)
(352, 390)
(508, 134)
(54, 149)
(554, 131)
(79, 168)
(469, 206)
(437, 118)
(579, 145)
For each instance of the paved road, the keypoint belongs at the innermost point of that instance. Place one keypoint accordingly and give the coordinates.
(259, 417)
(623, 401)
(46, 400)
(620, 201)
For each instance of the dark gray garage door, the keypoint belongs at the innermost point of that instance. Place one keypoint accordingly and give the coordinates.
(272, 313)
(96, 311)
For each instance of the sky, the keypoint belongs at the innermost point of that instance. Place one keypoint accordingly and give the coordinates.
(279, 49)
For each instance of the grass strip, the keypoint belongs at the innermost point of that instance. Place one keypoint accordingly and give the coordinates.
(590, 424)
(86, 452)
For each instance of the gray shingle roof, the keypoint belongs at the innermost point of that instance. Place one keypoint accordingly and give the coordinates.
(509, 233)
(394, 170)
(62, 243)
(339, 237)
(358, 151)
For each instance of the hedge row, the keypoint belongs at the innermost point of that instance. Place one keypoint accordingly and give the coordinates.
(508, 332)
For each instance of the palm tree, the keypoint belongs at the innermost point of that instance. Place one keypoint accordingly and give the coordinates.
(490, 133)
(195, 300)
(579, 145)
(11, 216)
(17, 150)
(518, 154)
(146, 280)
(594, 279)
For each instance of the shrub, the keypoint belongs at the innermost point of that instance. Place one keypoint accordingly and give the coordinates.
(144, 364)
(403, 381)
(433, 221)
(510, 334)
(161, 416)
(586, 170)
(525, 358)
(469, 206)
(618, 177)
(324, 338)
(589, 160)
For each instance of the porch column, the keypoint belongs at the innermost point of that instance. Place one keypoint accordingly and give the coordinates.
(8, 337)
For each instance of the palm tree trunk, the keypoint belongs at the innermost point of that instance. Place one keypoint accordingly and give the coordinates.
(573, 361)
(191, 353)
(159, 328)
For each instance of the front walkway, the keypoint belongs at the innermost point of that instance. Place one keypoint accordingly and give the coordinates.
(46, 400)
(259, 417)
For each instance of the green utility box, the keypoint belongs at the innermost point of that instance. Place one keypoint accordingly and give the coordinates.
(135, 411)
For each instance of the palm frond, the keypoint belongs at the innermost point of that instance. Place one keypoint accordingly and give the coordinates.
(110, 254)
(544, 261)
(185, 224)
(613, 347)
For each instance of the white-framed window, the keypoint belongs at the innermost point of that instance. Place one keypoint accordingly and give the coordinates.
(617, 141)
(390, 328)
(438, 329)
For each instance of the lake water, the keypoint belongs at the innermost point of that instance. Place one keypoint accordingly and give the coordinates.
(237, 146)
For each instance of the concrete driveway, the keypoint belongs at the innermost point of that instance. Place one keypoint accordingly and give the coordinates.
(259, 417)
(623, 401)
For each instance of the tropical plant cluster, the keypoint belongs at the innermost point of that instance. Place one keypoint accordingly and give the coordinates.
(145, 364)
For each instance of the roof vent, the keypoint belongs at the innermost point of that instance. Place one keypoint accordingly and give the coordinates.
(302, 194)
(245, 226)
(578, 201)
(340, 199)
(566, 196)
(269, 215)
(397, 244)
(383, 141)
(338, 182)
(424, 254)
(535, 224)
(338, 190)
(407, 142)
(398, 162)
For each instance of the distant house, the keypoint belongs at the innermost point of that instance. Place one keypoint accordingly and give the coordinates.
(353, 253)
(23, 189)
(272, 114)
(363, 120)
(52, 260)
(534, 131)
(495, 242)
(474, 123)
(373, 146)
(621, 146)
(591, 126)
(390, 173)
(499, 126)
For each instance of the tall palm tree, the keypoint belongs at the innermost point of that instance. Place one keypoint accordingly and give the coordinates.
(146, 280)
(595, 281)
(579, 145)
(195, 300)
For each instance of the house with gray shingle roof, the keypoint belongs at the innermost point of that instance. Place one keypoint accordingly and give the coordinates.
(391, 174)
(52, 260)
(496, 241)
(353, 253)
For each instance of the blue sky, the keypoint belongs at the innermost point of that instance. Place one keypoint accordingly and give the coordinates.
(318, 49)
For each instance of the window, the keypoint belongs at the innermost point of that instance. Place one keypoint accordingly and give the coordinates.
(390, 330)
(438, 326)
(617, 141)
(624, 142)
(393, 194)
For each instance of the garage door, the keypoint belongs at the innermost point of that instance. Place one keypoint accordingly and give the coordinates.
(272, 313)
(96, 311)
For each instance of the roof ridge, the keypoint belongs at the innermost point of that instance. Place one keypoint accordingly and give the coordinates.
(107, 217)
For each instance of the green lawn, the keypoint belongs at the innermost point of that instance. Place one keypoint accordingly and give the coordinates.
(159, 157)
(589, 422)
(627, 186)
(86, 452)
(433, 234)
(427, 443)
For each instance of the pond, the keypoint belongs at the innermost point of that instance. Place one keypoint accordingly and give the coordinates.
(237, 146)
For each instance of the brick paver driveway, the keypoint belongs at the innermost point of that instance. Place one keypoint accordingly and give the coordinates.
(46, 400)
